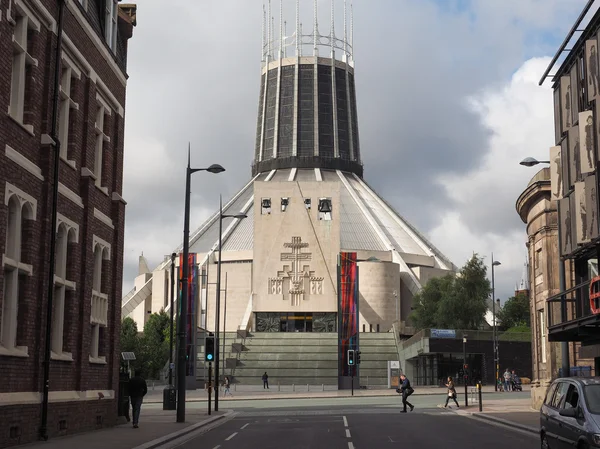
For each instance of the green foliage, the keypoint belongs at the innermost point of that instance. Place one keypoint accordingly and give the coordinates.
(129, 335)
(454, 302)
(515, 312)
(517, 333)
(152, 347)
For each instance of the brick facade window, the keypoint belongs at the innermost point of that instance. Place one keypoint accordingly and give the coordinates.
(22, 60)
(67, 235)
(22, 208)
(99, 311)
(68, 81)
(102, 111)
(110, 23)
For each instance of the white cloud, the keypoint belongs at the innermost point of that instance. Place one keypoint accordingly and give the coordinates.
(519, 116)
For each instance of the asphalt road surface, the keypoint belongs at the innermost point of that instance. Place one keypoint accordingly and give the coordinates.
(369, 428)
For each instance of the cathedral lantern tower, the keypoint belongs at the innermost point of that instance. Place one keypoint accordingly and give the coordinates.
(307, 114)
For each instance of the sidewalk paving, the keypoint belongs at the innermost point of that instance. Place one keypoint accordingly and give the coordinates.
(515, 413)
(157, 427)
(251, 392)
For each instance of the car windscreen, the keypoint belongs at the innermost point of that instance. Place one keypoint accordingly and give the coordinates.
(592, 398)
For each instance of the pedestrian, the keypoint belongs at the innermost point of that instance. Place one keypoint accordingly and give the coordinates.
(226, 385)
(406, 391)
(265, 379)
(507, 378)
(137, 391)
(451, 392)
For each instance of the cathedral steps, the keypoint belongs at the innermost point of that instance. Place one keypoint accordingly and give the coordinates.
(301, 358)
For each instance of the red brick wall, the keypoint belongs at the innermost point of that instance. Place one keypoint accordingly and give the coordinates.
(26, 374)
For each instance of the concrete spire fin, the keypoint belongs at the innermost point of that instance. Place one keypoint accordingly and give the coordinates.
(143, 265)
(332, 29)
(281, 46)
(316, 30)
(263, 38)
(298, 32)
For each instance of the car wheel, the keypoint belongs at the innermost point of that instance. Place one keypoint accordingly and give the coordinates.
(583, 445)
(544, 442)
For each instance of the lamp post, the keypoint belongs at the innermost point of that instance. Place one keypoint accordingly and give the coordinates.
(495, 263)
(564, 345)
(239, 216)
(173, 256)
(465, 368)
(181, 353)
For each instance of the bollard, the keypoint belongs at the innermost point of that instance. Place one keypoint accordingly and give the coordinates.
(479, 388)
(307, 387)
(234, 387)
(323, 386)
(294, 387)
(278, 386)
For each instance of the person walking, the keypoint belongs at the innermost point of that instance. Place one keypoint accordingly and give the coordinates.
(137, 391)
(507, 378)
(451, 392)
(406, 391)
(226, 385)
(265, 379)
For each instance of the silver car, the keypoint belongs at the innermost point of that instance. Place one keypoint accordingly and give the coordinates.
(570, 415)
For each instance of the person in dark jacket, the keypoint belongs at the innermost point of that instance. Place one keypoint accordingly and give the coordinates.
(265, 379)
(406, 391)
(137, 391)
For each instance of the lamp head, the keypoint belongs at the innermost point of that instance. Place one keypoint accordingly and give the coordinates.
(496, 263)
(529, 162)
(215, 168)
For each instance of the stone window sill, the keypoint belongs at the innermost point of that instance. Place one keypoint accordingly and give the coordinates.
(63, 356)
(98, 360)
(70, 163)
(27, 128)
(17, 351)
(103, 189)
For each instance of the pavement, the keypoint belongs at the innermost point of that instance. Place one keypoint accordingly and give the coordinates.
(514, 413)
(256, 392)
(156, 428)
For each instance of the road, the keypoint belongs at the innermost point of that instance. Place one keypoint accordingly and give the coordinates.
(355, 428)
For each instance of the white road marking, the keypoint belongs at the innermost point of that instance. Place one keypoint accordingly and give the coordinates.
(231, 436)
(217, 447)
(345, 421)
(348, 433)
(245, 425)
(350, 445)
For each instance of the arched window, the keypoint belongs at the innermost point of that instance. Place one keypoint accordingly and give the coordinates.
(67, 235)
(21, 211)
(99, 312)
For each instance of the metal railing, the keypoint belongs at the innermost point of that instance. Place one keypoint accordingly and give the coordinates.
(569, 306)
(472, 335)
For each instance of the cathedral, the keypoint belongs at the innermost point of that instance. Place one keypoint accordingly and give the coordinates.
(305, 203)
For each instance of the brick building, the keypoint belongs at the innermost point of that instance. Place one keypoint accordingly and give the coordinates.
(83, 377)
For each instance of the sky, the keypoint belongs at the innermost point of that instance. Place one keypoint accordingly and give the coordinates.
(448, 104)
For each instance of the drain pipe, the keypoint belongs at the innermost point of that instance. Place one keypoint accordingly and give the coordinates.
(54, 136)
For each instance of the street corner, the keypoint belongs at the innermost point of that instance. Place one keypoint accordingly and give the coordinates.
(204, 425)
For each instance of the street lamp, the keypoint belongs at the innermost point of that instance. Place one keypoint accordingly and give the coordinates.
(181, 353)
(494, 340)
(239, 216)
(562, 284)
(465, 368)
(530, 162)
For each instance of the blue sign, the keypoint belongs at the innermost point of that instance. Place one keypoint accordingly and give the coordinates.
(443, 333)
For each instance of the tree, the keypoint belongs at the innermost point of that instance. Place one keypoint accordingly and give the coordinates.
(426, 303)
(129, 335)
(454, 302)
(515, 312)
(154, 347)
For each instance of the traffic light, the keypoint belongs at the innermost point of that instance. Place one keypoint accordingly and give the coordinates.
(209, 348)
(351, 357)
(358, 357)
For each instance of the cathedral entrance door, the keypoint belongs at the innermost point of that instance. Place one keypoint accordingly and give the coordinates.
(296, 322)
